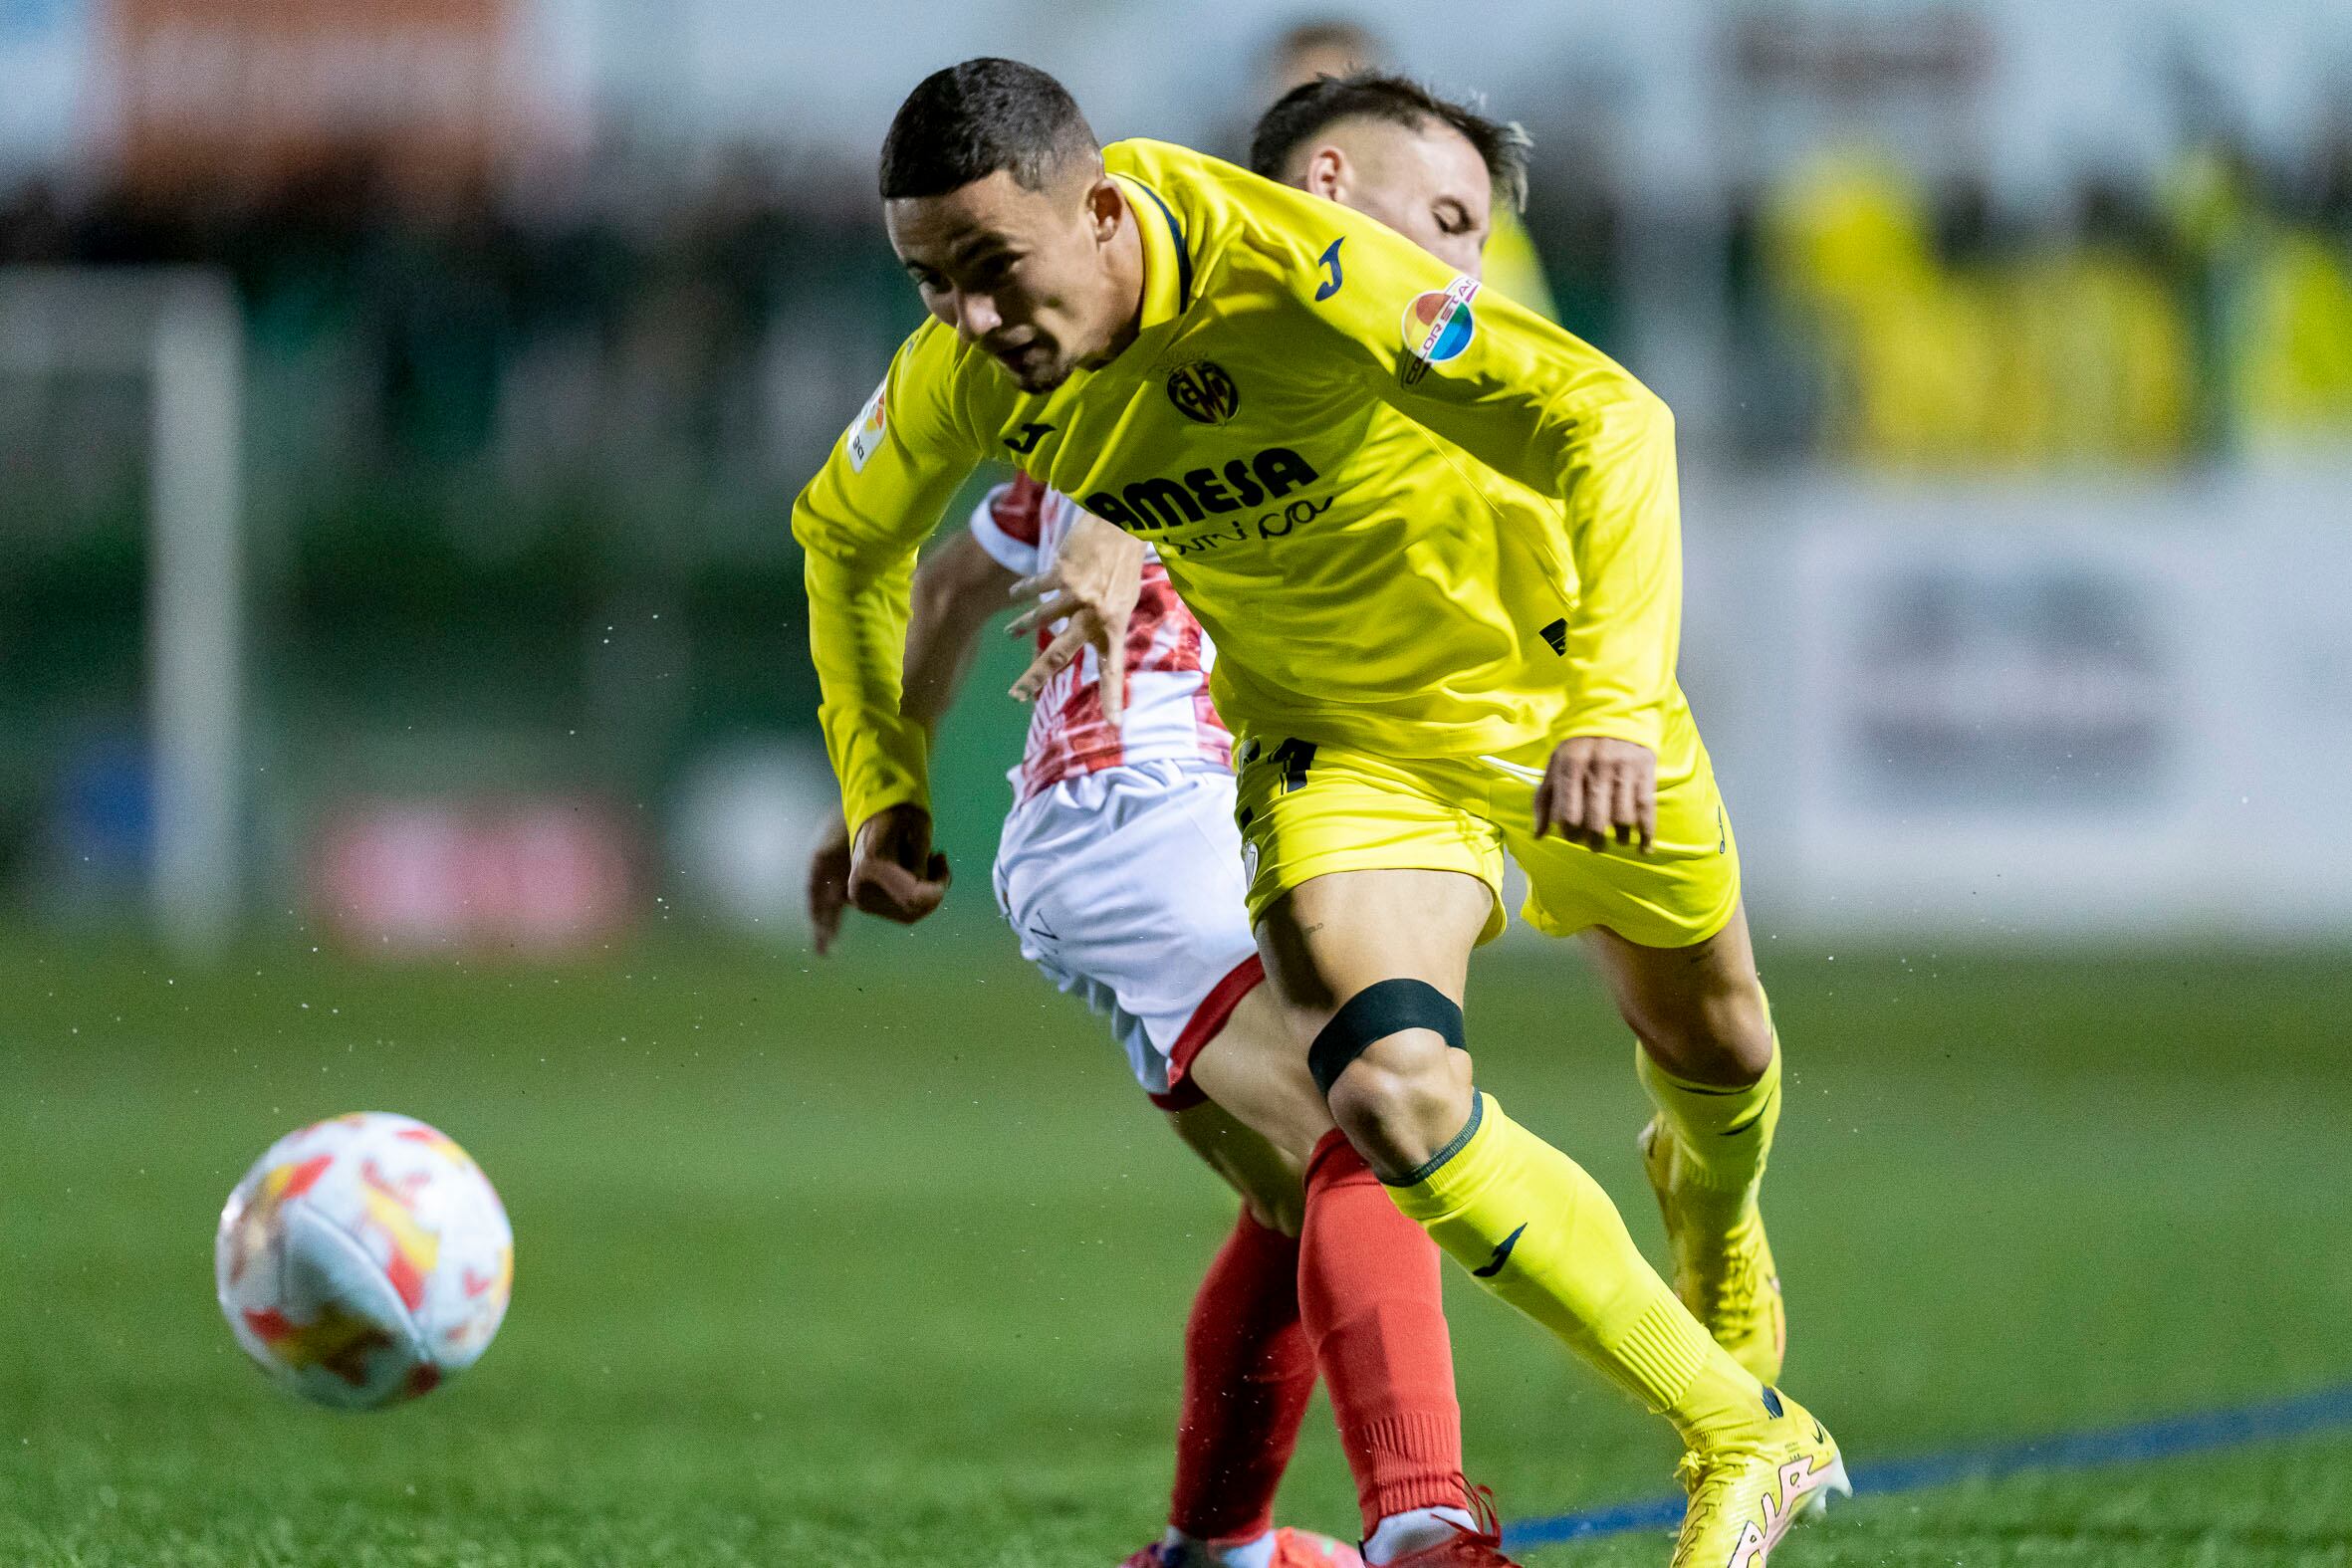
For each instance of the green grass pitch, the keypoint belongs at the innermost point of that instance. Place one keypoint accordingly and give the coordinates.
(885, 1262)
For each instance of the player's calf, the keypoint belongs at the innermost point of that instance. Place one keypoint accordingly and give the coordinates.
(1705, 1155)
(1249, 1367)
(1711, 1064)
(1723, 1264)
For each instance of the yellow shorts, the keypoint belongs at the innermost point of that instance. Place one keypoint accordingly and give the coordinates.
(1310, 811)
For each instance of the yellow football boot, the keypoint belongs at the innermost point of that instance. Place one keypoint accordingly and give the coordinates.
(1748, 1486)
(1723, 1266)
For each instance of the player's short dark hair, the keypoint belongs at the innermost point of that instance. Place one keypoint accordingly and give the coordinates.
(1306, 111)
(968, 121)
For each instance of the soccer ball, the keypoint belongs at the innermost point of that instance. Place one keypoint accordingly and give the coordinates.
(364, 1261)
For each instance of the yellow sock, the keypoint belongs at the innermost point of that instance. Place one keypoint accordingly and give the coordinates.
(1723, 1136)
(1539, 1233)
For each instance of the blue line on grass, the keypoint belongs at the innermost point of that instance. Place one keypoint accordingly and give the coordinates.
(2167, 1437)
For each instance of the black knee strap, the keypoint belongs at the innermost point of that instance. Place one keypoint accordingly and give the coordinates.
(1385, 1008)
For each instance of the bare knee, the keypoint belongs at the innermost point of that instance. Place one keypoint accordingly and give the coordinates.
(1699, 1011)
(1720, 1036)
(1402, 1100)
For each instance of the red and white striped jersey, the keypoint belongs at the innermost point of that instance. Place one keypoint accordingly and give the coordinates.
(1169, 715)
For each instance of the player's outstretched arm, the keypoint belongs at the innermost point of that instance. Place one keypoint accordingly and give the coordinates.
(858, 522)
(958, 589)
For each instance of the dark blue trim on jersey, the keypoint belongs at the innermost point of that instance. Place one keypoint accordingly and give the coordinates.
(1183, 250)
(2170, 1437)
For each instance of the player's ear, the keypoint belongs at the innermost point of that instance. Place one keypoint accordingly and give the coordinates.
(1106, 208)
(1325, 174)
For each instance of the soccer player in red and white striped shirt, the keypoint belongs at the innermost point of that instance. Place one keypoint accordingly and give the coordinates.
(1168, 717)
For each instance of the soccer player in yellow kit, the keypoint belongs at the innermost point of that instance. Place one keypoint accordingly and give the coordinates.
(1435, 539)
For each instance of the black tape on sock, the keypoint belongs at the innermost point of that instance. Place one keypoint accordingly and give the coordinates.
(1386, 1008)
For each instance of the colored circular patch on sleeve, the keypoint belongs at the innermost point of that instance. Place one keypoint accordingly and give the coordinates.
(1438, 326)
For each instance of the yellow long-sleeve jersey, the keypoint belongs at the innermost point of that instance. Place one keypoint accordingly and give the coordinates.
(1416, 519)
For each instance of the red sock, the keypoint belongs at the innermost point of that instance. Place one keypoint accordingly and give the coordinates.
(1247, 1375)
(1370, 1294)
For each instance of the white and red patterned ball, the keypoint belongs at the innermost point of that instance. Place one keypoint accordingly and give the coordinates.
(364, 1261)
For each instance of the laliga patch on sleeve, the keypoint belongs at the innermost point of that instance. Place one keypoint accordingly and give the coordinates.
(865, 436)
(1436, 326)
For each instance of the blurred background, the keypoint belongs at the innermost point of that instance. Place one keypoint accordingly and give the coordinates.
(401, 405)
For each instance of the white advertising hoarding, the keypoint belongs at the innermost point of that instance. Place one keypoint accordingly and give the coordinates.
(2035, 711)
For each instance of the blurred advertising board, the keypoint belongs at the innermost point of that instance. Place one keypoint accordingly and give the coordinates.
(428, 93)
(2051, 710)
(536, 875)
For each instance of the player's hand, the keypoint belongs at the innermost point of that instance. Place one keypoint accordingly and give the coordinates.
(893, 870)
(1096, 578)
(829, 883)
(1597, 787)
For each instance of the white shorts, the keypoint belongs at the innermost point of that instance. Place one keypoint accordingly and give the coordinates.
(1125, 886)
